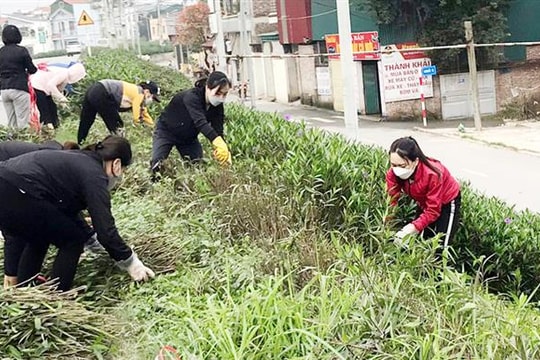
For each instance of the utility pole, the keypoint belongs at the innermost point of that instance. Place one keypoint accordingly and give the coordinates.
(220, 40)
(245, 12)
(471, 57)
(138, 35)
(347, 64)
(158, 27)
(122, 24)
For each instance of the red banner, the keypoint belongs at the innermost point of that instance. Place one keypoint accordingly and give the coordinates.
(362, 43)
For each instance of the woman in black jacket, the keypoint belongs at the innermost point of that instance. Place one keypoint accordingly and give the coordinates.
(15, 66)
(8, 150)
(190, 112)
(43, 193)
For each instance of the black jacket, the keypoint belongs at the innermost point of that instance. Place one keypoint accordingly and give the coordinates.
(187, 115)
(11, 149)
(72, 181)
(15, 65)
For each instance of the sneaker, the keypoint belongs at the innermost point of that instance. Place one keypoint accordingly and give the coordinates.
(119, 132)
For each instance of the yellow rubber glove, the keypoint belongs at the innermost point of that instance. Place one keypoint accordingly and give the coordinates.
(221, 151)
(9, 281)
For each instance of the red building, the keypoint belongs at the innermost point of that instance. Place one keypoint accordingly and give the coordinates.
(294, 21)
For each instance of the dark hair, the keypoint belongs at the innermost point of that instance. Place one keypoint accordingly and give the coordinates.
(408, 148)
(55, 145)
(11, 35)
(112, 147)
(70, 145)
(215, 79)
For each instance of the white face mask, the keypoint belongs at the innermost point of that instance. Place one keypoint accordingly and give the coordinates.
(215, 100)
(148, 101)
(403, 173)
(113, 182)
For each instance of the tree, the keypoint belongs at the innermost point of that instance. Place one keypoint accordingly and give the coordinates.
(440, 22)
(192, 25)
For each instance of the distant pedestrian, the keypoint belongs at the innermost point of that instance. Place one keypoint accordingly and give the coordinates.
(108, 97)
(190, 112)
(49, 84)
(15, 66)
(430, 184)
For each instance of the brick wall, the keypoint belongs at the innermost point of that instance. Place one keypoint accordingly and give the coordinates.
(263, 7)
(519, 80)
(512, 85)
(265, 27)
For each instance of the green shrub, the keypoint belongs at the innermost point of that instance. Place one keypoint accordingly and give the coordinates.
(283, 255)
(154, 47)
(49, 54)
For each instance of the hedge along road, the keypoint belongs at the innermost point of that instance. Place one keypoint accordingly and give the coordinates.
(507, 174)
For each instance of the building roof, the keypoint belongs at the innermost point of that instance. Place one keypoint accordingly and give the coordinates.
(23, 18)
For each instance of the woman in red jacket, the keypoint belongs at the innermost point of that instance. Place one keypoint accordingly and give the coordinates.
(430, 184)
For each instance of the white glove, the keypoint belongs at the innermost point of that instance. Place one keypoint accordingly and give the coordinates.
(93, 245)
(9, 281)
(399, 237)
(62, 102)
(136, 268)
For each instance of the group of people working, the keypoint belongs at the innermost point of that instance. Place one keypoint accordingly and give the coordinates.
(45, 187)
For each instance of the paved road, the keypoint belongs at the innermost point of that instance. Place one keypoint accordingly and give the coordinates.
(509, 175)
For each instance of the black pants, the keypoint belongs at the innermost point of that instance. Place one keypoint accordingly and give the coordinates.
(98, 101)
(447, 222)
(163, 142)
(30, 225)
(48, 111)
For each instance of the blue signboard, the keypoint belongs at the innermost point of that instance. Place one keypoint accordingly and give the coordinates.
(429, 70)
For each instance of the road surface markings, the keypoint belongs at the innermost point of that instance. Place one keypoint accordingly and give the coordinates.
(338, 117)
(475, 172)
(322, 120)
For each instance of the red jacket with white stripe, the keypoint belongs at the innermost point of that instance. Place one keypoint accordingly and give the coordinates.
(429, 189)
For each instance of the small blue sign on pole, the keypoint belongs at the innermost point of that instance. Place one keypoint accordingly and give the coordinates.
(429, 70)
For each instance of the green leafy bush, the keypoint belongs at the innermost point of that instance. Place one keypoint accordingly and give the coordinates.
(283, 255)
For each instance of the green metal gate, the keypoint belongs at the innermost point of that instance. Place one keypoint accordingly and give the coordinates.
(370, 76)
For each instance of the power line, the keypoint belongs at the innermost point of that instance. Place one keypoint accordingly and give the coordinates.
(285, 17)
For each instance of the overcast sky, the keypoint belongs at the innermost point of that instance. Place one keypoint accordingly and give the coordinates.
(10, 6)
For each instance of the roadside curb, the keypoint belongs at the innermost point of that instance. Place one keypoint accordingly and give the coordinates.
(481, 141)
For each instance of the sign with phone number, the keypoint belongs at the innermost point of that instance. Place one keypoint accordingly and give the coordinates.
(362, 44)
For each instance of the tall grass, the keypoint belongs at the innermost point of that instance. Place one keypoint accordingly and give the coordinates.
(284, 256)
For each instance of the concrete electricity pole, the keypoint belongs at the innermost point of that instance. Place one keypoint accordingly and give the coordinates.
(245, 13)
(471, 57)
(220, 40)
(347, 64)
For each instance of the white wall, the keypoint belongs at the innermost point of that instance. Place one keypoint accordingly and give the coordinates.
(306, 75)
(281, 80)
(260, 78)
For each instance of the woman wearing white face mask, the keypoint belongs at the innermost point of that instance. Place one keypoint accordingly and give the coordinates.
(43, 193)
(190, 112)
(430, 184)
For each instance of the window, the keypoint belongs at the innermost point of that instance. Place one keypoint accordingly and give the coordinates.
(230, 7)
(319, 47)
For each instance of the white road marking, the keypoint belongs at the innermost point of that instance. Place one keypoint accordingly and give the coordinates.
(322, 120)
(338, 117)
(475, 172)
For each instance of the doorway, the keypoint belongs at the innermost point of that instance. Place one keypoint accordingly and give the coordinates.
(370, 79)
